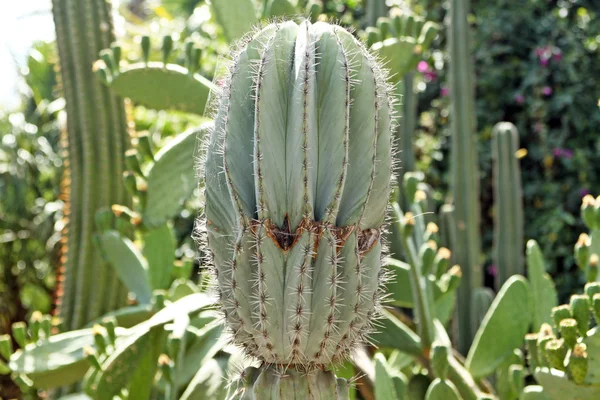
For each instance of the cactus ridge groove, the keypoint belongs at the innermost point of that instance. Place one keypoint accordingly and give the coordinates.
(295, 249)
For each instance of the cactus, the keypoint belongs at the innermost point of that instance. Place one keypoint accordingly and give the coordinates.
(465, 179)
(95, 139)
(295, 242)
(158, 85)
(236, 17)
(544, 293)
(508, 318)
(508, 203)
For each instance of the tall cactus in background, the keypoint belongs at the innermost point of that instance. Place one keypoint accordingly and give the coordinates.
(296, 241)
(508, 203)
(95, 139)
(465, 177)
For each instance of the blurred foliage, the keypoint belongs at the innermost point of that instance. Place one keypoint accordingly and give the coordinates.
(535, 66)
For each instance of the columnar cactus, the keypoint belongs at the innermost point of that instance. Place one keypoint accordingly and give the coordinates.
(508, 203)
(465, 180)
(95, 139)
(297, 178)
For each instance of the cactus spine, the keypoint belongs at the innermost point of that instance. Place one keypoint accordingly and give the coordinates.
(465, 179)
(508, 198)
(95, 140)
(296, 241)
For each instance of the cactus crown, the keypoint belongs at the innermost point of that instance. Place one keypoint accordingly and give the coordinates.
(297, 179)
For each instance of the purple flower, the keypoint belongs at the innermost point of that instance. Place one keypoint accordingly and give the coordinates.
(444, 91)
(519, 98)
(423, 67)
(584, 191)
(557, 55)
(561, 152)
(539, 51)
(430, 76)
(492, 270)
(544, 62)
(546, 90)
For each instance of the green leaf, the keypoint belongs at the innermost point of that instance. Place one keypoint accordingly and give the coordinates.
(502, 329)
(208, 383)
(159, 251)
(235, 16)
(395, 334)
(172, 178)
(542, 287)
(181, 288)
(163, 87)
(557, 386)
(533, 392)
(592, 342)
(441, 390)
(389, 385)
(398, 54)
(280, 8)
(399, 286)
(60, 361)
(128, 262)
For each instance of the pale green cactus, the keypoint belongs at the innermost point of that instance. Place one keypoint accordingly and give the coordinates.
(297, 177)
(508, 203)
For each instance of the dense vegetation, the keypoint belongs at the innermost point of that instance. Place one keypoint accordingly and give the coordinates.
(535, 65)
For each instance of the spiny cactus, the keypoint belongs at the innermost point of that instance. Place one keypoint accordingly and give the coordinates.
(297, 176)
(465, 179)
(95, 139)
(508, 203)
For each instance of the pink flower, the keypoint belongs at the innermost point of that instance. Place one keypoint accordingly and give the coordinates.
(561, 152)
(544, 62)
(423, 67)
(444, 91)
(546, 90)
(430, 76)
(557, 55)
(492, 270)
(519, 98)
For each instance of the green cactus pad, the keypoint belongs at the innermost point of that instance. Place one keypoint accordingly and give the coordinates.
(592, 341)
(395, 334)
(159, 250)
(398, 53)
(171, 179)
(533, 392)
(163, 87)
(128, 262)
(296, 185)
(58, 362)
(389, 384)
(209, 382)
(542, 287)
(502, 329)
(557, 386)
(236, 17)
(122, 365)
(442, 390)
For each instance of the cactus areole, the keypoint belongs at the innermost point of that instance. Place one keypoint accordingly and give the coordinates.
(297, 178)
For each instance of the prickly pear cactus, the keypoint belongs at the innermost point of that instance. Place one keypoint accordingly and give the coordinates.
(297, 177)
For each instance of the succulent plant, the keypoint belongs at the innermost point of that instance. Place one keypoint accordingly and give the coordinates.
(508, 203)
(95, 140)
(297, 176)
